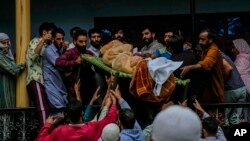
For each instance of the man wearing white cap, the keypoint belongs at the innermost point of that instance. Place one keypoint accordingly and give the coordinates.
(176, 123)
(110, 132)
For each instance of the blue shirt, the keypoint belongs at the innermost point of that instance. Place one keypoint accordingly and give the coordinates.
(134, 134)
(53, 83)
(162, 52)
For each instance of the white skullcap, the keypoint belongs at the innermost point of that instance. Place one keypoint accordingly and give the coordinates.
(176, 123)
(110, 132)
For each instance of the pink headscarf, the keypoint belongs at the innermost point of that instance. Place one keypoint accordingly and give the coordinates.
(242, 46)
(242, 61)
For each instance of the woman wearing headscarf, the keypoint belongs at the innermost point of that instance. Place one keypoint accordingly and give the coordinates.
(8, 70)
(242, 60)
(242, 63)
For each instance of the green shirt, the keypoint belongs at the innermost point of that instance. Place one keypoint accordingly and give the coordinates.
(8, 70)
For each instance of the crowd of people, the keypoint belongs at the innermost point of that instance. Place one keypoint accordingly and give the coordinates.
(61, 83)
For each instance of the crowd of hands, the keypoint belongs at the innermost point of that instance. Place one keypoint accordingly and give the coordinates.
(112, 96)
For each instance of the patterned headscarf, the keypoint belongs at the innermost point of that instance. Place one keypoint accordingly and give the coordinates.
(242, 46)
(5, 49)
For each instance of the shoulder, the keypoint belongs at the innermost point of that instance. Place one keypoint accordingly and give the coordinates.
(35, 40)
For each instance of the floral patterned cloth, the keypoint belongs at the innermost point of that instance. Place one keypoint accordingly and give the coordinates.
(34, 62)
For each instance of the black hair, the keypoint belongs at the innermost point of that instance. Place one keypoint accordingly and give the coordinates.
(94, 30)
(210, 124)
(127, 118)
(80, 32)
(173, 30)
(176, 43)
(57, 30)
(211, 33)
(46, 26)
(116, 29)
(149, 27)
(72, 30)
(74, 111)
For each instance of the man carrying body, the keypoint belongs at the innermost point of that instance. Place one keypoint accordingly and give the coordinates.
(211, 63)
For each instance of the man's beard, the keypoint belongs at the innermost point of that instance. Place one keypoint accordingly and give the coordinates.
(120, 38)
(147, 41)
(81, 49)
(58, 45)
(204, 47)
(96, 45)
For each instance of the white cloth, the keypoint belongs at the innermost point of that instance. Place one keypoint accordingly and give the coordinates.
(176, 123)
(160, 69)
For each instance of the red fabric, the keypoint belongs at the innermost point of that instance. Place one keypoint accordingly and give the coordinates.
(90, 131)
(141, 85)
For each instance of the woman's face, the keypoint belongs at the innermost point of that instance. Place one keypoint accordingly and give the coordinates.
(5, 43)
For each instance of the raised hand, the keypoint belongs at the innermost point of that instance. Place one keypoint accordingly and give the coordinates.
(117, 92)
(110, 80)
(113, 99)
(198, 106)
(95, 96)
(77, 87)
(78, 60)
(108, 101)
(166, 105)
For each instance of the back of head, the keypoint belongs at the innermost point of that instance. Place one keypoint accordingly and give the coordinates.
(210, 124)
(175, 43)
(110, 132)
(127, 118)
(74, 111)
(176, 123)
